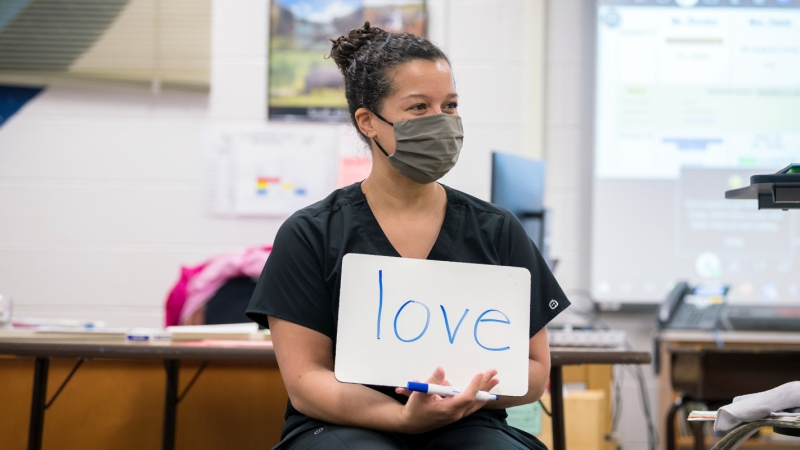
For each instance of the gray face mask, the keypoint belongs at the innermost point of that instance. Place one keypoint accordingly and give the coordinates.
(426, 147)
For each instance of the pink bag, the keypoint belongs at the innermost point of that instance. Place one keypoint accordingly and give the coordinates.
(198, 284)
(177, 296)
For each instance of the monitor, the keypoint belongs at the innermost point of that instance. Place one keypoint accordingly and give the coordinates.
(518, 186)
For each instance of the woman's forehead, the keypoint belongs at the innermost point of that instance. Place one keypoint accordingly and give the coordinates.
(423, 77)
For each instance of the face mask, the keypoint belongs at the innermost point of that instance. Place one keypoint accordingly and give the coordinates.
(426, 147)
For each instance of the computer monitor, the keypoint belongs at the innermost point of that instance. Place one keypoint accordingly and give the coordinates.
(518, 186)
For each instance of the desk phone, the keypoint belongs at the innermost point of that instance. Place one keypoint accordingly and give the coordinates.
(695, 308)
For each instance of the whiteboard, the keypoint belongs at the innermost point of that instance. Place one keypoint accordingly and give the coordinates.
(400, 318)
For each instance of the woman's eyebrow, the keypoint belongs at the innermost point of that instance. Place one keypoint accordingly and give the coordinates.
(449, 96)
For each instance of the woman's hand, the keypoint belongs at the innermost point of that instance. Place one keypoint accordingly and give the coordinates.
(425, 412)
(305, 358)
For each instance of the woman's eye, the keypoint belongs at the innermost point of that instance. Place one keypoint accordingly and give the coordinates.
(419, 107)
(452, 105)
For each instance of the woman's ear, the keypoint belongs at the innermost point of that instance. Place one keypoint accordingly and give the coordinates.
(364, 122)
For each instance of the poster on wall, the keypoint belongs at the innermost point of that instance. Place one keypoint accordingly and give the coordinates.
(305, 85)
(268, 170)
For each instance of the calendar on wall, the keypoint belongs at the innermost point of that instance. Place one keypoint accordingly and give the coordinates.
(268, 170)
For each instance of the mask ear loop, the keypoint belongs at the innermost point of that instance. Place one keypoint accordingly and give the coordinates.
(376, 140)
(380, 147)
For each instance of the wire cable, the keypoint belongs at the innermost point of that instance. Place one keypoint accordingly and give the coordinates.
(616, 413)
(544, 408)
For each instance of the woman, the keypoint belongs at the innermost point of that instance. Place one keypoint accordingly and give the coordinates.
(403, 102)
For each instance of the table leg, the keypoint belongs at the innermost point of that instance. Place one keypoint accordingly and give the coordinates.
(37, 403)
(170, 404)
(697, 432)
(557, 407)
(673, 411)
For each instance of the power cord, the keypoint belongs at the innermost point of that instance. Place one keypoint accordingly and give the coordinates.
(544, 408)
(616, 413)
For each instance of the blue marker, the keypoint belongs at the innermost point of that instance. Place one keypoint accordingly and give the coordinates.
(446, 391)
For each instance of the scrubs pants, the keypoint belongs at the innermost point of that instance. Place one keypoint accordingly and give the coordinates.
(472, 432)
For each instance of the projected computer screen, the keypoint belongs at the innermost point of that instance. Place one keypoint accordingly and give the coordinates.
(692, 98)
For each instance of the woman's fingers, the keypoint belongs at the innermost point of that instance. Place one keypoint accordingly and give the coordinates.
(489, 380)
(481, 382)
(404, 391)
(472, 389)
(424, 411)
(437, 377)
(487, 383)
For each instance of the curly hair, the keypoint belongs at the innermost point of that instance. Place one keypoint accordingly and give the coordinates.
(367, 55)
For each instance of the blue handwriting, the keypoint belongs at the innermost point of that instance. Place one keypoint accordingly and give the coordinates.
(450, 336)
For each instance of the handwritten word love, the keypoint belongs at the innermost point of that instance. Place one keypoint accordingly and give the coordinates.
(484, 317)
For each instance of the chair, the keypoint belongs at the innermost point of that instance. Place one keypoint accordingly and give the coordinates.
(230, 301)
(782, 425)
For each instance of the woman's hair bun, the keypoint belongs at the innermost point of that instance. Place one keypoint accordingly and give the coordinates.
(345, 47)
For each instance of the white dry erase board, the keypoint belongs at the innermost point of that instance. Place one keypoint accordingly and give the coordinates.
(400, 318)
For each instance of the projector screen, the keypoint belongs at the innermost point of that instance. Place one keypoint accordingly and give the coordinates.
(691, 98)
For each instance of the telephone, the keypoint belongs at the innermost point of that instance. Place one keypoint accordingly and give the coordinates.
(695, 308)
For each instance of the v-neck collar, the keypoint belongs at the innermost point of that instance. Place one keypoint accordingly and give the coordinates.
(374, 233)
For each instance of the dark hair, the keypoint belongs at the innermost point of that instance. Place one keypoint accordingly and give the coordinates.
(366, 56)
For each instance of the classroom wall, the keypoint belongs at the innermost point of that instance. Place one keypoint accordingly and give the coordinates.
(568, 150)
(102, 189)
(568, 139)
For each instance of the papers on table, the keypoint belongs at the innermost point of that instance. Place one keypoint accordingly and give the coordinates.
(236, 332)
(227, 343)
(702, 415)
(712, 415)
(241, 331)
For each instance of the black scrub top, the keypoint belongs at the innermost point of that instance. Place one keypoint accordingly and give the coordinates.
(301, 280)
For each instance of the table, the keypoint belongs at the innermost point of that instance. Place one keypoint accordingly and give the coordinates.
(560, 357)
(698, 368)
(172, 354)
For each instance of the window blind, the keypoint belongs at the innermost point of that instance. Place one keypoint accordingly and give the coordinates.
(162, 43)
